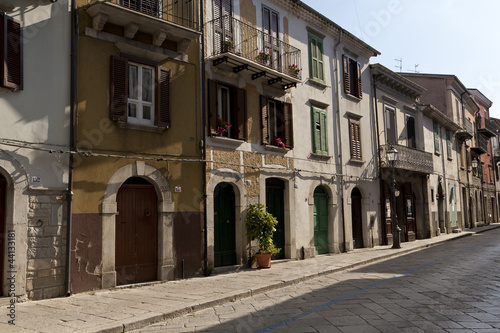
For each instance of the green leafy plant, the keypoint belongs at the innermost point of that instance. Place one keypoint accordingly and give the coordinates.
(262, 225)
(264, 55)
(228, 42)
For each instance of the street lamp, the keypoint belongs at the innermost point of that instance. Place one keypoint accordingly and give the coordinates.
(475, 163)
(392, 156)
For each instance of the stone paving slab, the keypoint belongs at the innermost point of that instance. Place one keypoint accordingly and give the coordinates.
(126, 309)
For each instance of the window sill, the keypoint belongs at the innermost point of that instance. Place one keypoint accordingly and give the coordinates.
(354, 98)
(144, 128)
(276, 149)
(317, 83)
(320, 156)
(226, 140)
(358, 162)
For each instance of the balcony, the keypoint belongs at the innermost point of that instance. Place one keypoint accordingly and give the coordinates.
(237, 46)
(480, 145)
(466, 133)
(175, 20)
(408, 159)
(486, 127)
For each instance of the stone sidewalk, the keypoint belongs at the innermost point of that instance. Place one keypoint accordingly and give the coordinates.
(126, 309)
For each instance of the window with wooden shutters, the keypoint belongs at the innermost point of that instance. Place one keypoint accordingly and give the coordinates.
(436, 138)
(355, 136)
(140, 93)
(316, 68)
(319, 130)
(352, 77)
(226, 111)
(411, 134)
(270, 29)
(276, 120)
(390, 124)
(11, 52)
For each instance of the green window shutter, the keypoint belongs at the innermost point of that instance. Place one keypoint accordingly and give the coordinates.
(436, 138)
(448, 144)
(319, 131)
(316, 67)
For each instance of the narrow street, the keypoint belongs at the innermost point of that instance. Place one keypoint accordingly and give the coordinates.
(452, 287)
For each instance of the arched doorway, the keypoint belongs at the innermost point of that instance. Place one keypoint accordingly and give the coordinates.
(441, 208)
(357, 218)
(136, 246)
(275, 203)
(3, 195)
(320, 220)
(224, 226)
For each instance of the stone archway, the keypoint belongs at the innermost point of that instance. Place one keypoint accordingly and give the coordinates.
(165, 221)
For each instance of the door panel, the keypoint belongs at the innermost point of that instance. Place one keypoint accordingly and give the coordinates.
(409, 205)
(275, 202)
(357, 222)
(3, 195)
(320, 222)
(224, 226)
(136, 247)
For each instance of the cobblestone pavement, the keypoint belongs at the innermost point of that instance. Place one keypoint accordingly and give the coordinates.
(452, 287)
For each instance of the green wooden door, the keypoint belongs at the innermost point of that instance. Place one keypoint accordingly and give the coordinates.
(275, 202)
(224, 226)
(320, 221)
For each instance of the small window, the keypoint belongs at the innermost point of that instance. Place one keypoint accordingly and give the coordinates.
(319, 130)
(355, 142)
(11, 54)
(277, 124)
(352, 77)
(316, 68)
(140, 93)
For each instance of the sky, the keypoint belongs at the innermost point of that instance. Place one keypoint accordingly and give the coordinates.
(459, 37)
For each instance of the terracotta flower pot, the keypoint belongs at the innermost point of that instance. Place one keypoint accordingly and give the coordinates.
(263, 260)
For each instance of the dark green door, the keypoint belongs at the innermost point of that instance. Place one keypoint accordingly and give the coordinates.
(320, 221)
(275, 203)
(224, 226)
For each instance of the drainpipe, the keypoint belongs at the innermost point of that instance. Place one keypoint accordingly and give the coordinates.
(340, 181)
(203, 137)
(72, 138)
(377, 139)
(467, 167)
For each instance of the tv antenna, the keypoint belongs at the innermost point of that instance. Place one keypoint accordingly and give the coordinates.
(400, 60)
(415, 69)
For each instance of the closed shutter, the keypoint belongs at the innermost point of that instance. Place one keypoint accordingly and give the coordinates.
(212, 107)
(436, 138)
(12, 52)
(119, 88)
(347, 79)
(324, 133)
(241, 114)
(319, 131)
(360, 86)
(448, 144)
(163, 103)
(264, 118)
(355, 136)
(288, 117)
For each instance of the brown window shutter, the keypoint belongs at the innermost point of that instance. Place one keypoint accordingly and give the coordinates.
(12, 53)
(360, 87)
(355, 136)
(351, 136)
(163, 103)
(241, 114)
(212, 107)
(288, 116)
(119, 89)
(347, 79)
(264, 120)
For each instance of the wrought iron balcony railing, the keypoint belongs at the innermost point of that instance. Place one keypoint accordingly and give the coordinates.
(408, 159)
(480, 144)
(486, 127)
(229, 35)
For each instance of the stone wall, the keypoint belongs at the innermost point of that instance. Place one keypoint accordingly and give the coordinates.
(45, 275)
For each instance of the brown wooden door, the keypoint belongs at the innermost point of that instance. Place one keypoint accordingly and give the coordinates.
(409, 205)
(136, 248)
(3, 194)
(270, 26)
(388, 210)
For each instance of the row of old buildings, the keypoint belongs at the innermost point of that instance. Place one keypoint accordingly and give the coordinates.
(135, 134)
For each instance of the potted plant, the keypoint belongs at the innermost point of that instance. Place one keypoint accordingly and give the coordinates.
(263, 56)
(278, 142)
(294, 70)
(228, 45)
(261, 225)
(222, 126)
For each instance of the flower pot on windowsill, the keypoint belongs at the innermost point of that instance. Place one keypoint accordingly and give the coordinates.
(227, 48)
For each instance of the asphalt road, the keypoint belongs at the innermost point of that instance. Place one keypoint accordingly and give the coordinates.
(452, 287)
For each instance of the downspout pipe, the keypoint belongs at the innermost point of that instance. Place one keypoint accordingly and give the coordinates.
(379, 160)
(69, 194)
(203, 137)
(340, 181)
